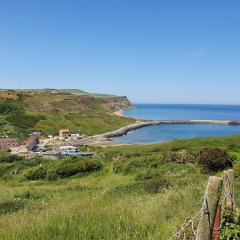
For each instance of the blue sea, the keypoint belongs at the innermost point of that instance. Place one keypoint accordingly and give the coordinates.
(166, 133)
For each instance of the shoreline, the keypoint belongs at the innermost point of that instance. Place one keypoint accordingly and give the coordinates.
(104, 139)
(119, 113)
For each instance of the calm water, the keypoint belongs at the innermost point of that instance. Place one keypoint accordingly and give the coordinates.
(165, 133)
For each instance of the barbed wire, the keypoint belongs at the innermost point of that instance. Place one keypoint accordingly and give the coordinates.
(181, 234)
(184, 227)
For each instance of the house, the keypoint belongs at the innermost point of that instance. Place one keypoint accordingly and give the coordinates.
(32, 143)
(64, 133)
(7, 143)
(75, 136)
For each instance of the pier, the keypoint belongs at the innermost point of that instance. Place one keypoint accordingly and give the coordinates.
(145, 123)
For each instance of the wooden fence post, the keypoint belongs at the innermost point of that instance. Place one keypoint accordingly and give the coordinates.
(209, 208)
(228, 181)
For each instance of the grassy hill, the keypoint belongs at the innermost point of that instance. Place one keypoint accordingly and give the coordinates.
(50, 110)
(128, 192)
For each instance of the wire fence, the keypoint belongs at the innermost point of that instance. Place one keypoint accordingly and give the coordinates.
(188, 230)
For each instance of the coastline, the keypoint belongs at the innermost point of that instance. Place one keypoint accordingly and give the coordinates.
(105, 138)
(119, 113)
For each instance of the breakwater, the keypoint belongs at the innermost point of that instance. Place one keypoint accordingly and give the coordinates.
(145, 123)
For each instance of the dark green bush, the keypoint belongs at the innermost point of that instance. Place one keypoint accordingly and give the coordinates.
(61, 169)
(214, 159)
(5, 168)
(9, 107)
(156, 185)
(10, 158)
(69, 167)
(35, 173)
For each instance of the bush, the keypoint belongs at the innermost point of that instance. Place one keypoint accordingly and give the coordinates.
(10, 158)
(230, 226)
(9, 107)
(214, 159)
(156, 185)
(69, 167)
(35, 173)
(5, 168)
(182, 156)
(61, 169)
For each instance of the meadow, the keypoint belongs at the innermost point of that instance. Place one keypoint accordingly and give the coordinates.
(127, 192)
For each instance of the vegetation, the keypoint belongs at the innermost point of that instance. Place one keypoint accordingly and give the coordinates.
(127, 192)
(48, 111)
(214, 159)
(231, 226)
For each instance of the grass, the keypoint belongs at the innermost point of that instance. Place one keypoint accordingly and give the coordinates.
(46, 112)
(138, 194)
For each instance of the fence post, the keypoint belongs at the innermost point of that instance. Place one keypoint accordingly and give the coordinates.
(228, 180)
(210, 204)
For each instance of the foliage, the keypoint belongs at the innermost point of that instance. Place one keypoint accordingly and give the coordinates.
(61, 169)
(35, 173)
(24, 121)
(69, 167)
(146, 199)
(182, 156)
(9, 107)
(4, 157)
(231, 226)
(214, 159)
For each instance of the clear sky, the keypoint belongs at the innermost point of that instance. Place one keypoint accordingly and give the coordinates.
(180, 51)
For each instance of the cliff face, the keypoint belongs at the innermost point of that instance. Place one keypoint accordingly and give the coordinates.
(117, 103)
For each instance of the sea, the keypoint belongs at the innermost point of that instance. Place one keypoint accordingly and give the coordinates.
(167, 133)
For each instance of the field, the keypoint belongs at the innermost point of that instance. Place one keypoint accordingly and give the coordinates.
(136, 192)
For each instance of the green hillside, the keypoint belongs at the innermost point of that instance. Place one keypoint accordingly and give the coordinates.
(128, 192)
(42, 110)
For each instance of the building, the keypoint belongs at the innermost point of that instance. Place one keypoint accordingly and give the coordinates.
(75, 136)
(7, 143)
(64, 133)
(32, 143)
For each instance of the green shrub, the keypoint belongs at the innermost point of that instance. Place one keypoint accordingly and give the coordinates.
(9, 107)
(230, 226)
(214, 159)
(69, 167)
(182, 156)
(5, 168)
(156, 185)
(10, 158)
(35, 173)
(61, 169)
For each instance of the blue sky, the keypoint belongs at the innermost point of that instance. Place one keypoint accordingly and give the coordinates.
(152, 51)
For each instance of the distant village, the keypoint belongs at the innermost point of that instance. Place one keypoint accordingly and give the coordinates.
(55, 147)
